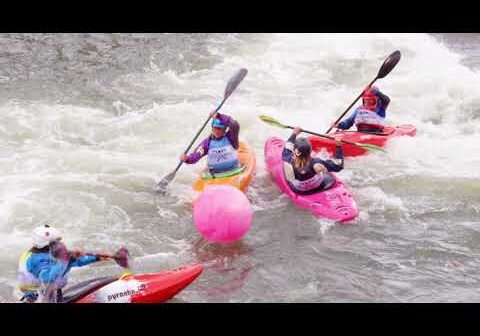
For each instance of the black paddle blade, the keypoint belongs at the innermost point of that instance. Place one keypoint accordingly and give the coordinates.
(389, 64)
(234, 81)
(161, 186)
(121, 257)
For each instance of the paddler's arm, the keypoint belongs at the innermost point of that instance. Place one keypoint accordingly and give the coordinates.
(233, 128)
(347, 123)
(384, 101)
(200, 152)
(84, 260)
(78, 258)
(336, 164)
(287, 153)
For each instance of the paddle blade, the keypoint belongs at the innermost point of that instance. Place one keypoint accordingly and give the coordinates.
(234, 81)
(161, 186)
(389, 64)
(271, 121)
(371, 147)
(121, 257)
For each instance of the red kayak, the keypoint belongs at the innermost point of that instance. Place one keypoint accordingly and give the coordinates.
(377, 139)
(143, 288)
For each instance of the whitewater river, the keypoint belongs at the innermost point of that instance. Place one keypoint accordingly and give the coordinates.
(90, 122)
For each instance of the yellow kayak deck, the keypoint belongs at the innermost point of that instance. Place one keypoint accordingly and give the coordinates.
(246, 156)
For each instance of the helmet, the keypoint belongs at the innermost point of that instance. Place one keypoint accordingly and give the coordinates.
(369, 95)
(217, 123)
(44, 235)
(303, 146)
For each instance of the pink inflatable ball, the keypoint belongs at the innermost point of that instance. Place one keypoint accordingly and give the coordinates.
(222, 214)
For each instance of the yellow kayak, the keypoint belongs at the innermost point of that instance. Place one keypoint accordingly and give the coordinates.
(239, 178)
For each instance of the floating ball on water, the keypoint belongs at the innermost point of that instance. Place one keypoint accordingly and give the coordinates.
(222, 214)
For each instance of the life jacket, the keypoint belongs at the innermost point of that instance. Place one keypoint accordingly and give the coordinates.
(312, 183)
(367, 120)
(26, 280)
(221, 155)
(307, 179)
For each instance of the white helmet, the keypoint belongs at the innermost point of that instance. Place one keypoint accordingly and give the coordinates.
(44, 235)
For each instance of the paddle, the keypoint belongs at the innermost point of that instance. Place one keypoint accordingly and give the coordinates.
(274, 122)
(121, 257)
(60, 251)
(161, 186)
(385, 69)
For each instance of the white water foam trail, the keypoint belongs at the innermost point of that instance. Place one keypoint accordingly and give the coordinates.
(90, 171)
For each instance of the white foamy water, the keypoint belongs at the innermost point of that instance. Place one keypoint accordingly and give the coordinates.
(90, 122)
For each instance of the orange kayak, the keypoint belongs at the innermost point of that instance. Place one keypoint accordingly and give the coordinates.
(239, 178)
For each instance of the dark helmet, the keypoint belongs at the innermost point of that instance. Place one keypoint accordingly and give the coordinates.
(303, 146)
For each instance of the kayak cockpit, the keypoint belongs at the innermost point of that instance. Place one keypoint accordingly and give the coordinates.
(327, 183)
(84, 288)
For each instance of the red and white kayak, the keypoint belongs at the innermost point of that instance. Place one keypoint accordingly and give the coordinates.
(377, 139)
(335, 203)
(143, 288)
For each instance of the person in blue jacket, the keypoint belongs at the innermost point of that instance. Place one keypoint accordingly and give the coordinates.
(43, 270)
(305, 174)
(370, 116)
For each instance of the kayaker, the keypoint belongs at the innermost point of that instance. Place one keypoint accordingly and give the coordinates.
(221, 145)
(370, 116)
(42, 271)
(307, 175)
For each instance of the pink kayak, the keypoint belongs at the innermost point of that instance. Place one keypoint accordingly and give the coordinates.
(334, 203)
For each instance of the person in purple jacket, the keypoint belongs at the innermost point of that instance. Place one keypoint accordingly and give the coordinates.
(220, 146)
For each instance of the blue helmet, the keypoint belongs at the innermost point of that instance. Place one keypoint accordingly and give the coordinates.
(217, 123)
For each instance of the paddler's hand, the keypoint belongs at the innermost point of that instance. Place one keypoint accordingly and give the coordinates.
(183, 157)
(297, 130)
(338, 143)
(334, 125)
(213, 114)
(77, 253)
(320, 168)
